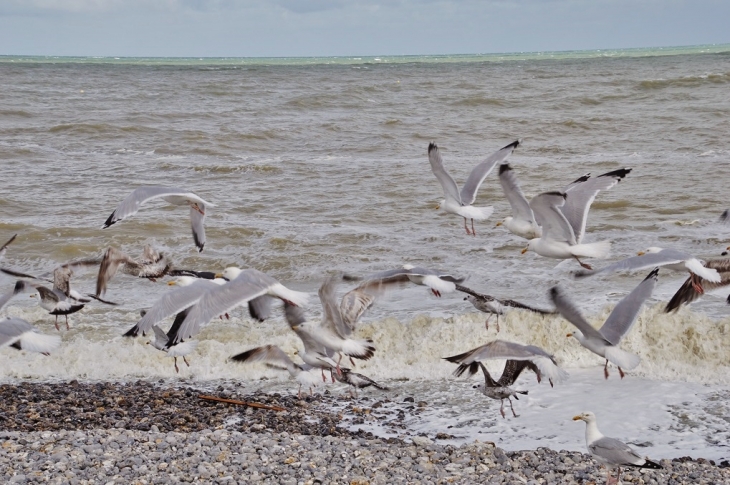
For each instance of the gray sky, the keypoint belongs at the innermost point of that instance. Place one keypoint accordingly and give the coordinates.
(243, 28)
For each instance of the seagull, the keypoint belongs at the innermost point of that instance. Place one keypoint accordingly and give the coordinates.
(190, 290)
(162, 339)
(494, 306)
(151, 265)
(563, 217)
(273, 354)
(518, 357)
(21, 335)
(609, 451)
(688, 293)
(460, 202)
(604, 342)
(244, 285)
(438, 281)
(669, 258)
(4, 247)
(62, 299)
(315, 354)
(522, 221)
(131, 204)
(331, 334)
(358, 381)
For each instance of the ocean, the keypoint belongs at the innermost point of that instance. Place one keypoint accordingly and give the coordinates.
(319, 165)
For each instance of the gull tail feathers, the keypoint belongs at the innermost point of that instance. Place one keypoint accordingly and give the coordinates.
(621, 358)
(360, 349)
(38, 342)
(599, 250)
(708, 274)
(438, 284)
(297, 298)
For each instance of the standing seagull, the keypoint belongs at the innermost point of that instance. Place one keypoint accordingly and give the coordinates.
(604, 342)
(494, 306)
(5, 246)
(610, 451)
(460, 202)
(129, 206)
(21, 335)
(358, 381)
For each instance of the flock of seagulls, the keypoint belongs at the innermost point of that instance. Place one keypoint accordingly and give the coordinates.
(553, 223)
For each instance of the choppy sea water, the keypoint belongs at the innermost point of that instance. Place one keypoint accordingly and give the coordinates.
(319, 165)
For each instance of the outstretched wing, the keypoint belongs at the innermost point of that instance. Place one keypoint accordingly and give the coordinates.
(624, 314)
(480, 172)
(451, 190)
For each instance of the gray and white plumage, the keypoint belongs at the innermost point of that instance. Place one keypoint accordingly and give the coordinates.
(4, 247)
(654, 256)
(501, 349)
(495, 306)
(274, 355)
(688, 293)
(604, 341)
(331, 334)
(5, 298)
(132, 203)
(438, 281)
(315, 354)
(21, 335)
(162, 339)
(188, 292)
(460, 201)
(522, 221)
(151, 265)
(610, 451)
(242, 287)
(356, 380)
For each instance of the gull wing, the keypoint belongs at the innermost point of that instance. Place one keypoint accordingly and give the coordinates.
(488, 380)
(295, 318)
(566, 308)
(197, 224)
(354, 304)
(555, 226)
(687, 292)
(270, 354)
(513, 369)
(451, 190)
(170, 304)
(4, 299)
(332, 317)
(636, 263)
(131, 204)
(623, 316)
(516, 198)
(615, 452)
(14, 331)
(217, 301)
(5, 246)
(480, 172)
(110, 263)
(581, 195)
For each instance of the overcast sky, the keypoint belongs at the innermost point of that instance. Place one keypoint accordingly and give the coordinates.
(281, 28)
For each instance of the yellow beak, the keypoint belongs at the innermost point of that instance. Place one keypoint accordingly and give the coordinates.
(498, 224)
(171, 283)
(218, 275)
(577, 418)
(525, 250)
(641, 253)
(569, 335)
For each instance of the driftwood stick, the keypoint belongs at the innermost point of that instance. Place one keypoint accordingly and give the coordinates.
(241, 403)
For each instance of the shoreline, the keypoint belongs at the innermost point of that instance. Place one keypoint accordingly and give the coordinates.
(147, 432)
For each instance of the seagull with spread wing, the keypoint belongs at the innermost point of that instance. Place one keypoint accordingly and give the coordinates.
(495, 306)
(460, 202)
(688, 293)
(518, 358)
(604, 341)
(132, 203)
(151, 265)
(21, 335)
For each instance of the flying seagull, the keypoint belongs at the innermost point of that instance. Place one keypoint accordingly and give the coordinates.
(688, 293)
(605, 341)
(460, 202)
(131, 204)
(518, 358)
(563, 217)
(494, 306)
(669, 258)
(610, 451)
(522, 221)
(151, 265)
(21, 335)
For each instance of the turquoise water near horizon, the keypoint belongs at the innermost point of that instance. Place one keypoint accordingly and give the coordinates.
(394, 59)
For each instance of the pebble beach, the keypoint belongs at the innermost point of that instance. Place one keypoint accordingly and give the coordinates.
(88, 433)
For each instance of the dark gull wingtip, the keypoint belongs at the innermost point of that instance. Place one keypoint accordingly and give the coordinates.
(432, 146)
(132, 332)
(110, 220)
(654, 274)
(620, 173)
(514, 144)
(504, 168)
